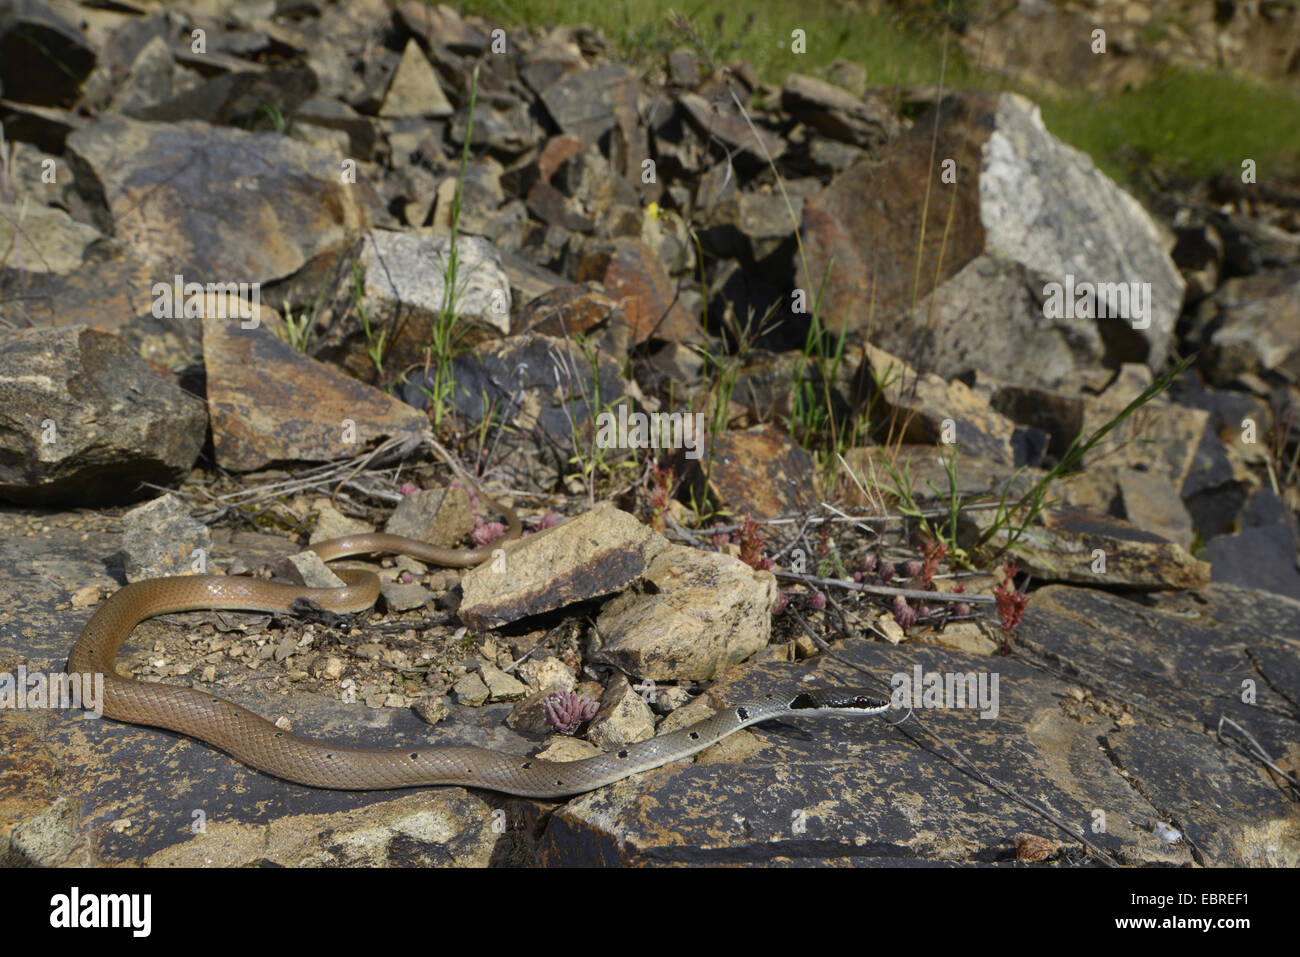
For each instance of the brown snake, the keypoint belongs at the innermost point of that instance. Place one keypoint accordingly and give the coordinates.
(260, 744)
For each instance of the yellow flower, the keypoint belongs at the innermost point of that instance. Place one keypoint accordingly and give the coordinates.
(653, 211)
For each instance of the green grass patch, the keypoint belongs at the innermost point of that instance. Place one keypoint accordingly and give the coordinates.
(1186, 121)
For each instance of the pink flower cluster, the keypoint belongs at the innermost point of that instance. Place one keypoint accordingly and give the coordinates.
(566, 711)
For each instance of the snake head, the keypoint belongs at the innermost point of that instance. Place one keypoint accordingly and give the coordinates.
(842, 700)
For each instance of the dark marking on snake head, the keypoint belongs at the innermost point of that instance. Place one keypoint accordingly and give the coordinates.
(742, 714)
(623, 753)
(526, 765)
(803, 700)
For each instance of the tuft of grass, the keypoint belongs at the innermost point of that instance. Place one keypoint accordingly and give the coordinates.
(445, 335)
(1014, 519)
(374, 343)
(599, 469)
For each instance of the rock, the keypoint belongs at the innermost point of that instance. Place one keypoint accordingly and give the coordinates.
(439, 516)
(331, 416)
(698, 614)
(1074, 544)
(441, 25)
(1199, 256)
(978, 478)
(1256, 328)
(239, 98)
(308, 569)
(812, 774)
(85, 421)
(760, 472)
(1151, 503)
(161, 539)
(637, 281)
(339, 117)
(935, 411)
(1030, 211)
(583, 104)
(404, 597)
(471, 690)
(501, 686)
(111, 294)
(1160, 438)
(545, 388)
(502, 124)
(624, 718)
(721, 121)
(1262, 555)
(45, 240)
(415, 90)
(1059, 414)
(150, 173)
(548, 674)
(528, 716)
(43, 58)
(403, 293)
(331, 523)
(594, 554)
(838, 114)
(569, 311)
(551, 206)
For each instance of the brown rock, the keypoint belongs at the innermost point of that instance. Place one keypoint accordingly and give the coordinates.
(930, 410)
(594, 554)
(269, 403)
(760, 472)
(705, 612)
(637, 281)
(1084, 546)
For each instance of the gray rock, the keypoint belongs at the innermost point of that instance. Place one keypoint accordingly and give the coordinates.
(471, 690)
(84, 420)
(546, 388)
(404, 280)
(292, 194)
(160, 539)
(583, 104)
(837, 113)
(501, 686)
(242, 97)
(721, 120)
(404, 597)
(1257, 327)
(308, 569)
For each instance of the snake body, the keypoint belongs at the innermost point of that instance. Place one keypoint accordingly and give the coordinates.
(260, 744)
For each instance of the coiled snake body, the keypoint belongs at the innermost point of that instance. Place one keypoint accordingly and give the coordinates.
(260, 744)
